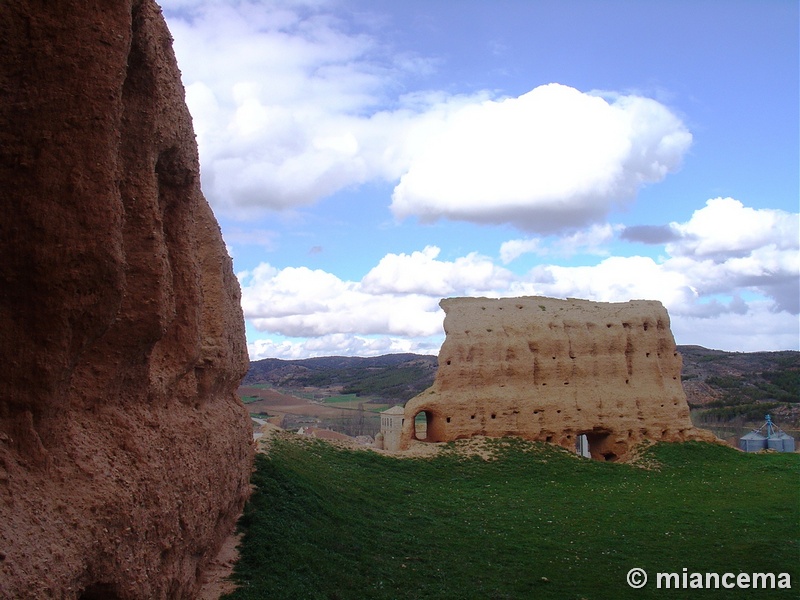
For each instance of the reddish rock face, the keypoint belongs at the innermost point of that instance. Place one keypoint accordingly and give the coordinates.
(124, 451)
(553, 370)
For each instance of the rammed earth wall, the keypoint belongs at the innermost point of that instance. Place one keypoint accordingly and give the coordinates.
(553, 370)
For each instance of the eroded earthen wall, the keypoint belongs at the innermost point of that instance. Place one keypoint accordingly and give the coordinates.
(124, 451)
(552, 370)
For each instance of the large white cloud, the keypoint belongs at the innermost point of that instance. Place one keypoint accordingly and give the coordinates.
(726, 228)
(422, 273)
(293, 103)
(551, 159)
(726, 245)
(301, 302)
(399, 296)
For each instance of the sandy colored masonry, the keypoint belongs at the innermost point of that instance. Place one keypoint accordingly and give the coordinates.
(552, 370)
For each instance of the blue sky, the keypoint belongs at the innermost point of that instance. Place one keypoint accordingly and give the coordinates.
(367, 158)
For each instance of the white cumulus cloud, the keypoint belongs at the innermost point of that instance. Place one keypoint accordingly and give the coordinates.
(550, 159)
(422, 273)
(300, 302)
(293, 102)
(742, 295)
(587, 241)
(726, 245)
(725, 227)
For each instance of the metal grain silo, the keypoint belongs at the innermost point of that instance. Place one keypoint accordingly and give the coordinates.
(781, 442)
(753, 442)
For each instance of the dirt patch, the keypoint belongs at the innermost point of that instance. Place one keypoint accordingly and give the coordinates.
(476, 446)
(276, 403)
(216, 580)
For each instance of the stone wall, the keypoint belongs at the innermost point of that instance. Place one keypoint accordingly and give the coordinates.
(552, 370)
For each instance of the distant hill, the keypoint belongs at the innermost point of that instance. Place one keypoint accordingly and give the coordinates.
(742, 386)
(720, 386)
(396, 377)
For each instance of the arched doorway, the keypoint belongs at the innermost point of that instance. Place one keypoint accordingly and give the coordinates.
(596, 444)
(421, 420)
(429, 426)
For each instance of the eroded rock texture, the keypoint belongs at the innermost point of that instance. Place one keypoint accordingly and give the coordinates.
(124, 452)
(552, 370)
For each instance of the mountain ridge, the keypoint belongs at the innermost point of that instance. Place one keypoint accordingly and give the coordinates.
(723, 385)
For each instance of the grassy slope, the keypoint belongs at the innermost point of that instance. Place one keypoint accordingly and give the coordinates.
(535, 523)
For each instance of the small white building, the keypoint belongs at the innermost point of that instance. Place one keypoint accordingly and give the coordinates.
(391, 427)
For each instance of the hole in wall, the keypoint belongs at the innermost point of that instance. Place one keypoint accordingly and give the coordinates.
(598, 445)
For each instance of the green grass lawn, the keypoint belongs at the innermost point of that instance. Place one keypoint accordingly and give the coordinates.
(353, 402)
(535, 522)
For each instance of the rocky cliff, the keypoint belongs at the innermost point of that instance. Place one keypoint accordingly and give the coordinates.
(124, 452)
(554, 370)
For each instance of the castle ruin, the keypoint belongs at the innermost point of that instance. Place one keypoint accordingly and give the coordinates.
(555, 370)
